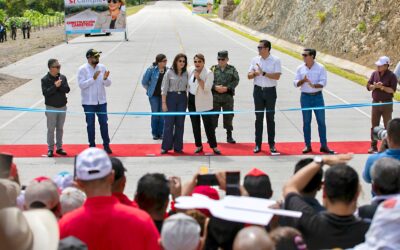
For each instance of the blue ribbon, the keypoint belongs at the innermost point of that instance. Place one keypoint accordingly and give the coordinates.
(339, 106)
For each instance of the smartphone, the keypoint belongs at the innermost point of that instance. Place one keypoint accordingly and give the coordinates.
(207, 180)
(5, 165)
(233, 183)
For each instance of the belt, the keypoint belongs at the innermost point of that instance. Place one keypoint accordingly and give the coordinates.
(177, 92)
(262, 88)
(312, 94)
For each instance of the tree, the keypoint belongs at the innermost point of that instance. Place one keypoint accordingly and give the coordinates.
(16, 7)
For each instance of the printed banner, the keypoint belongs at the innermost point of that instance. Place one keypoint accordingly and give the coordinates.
(202, 6)
(94, 16)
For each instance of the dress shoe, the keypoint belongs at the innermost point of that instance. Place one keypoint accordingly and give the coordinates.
(326, 150)
(216, 151)
(257, 149)
(61, 151)
(307, 149)
(373, 150)
(273, 150)
(198, 150)
(229, 138)
(50, 153)
(155, 137)
(178, 151)
(160, 137)
(108, 149)
(163, 151)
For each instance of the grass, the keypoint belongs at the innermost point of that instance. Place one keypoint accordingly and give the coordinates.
(134, 9)
(321, 16)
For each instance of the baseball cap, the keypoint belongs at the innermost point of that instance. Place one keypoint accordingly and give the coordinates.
(9, 192)
(63, 180)
(71, 198)
(382, 61)
(118, 167)
(44, 191)
(92, 52)
(180, 232)
(92, 164)
(222, 54)
(36, 229)
(208, 191)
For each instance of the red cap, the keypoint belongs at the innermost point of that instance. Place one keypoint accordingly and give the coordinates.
(208, 191)
(256, 172)
(41, 178)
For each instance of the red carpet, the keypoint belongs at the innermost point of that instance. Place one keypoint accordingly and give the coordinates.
(140, 150)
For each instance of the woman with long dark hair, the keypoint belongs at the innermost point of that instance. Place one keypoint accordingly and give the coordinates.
(151, 81)
(174, 99)
(201, 100)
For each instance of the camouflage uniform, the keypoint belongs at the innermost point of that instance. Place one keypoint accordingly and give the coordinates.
(228, 77)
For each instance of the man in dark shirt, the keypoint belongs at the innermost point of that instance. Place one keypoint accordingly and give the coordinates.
(337, 227)
(382, 83)
(54, 88)
(385, 184)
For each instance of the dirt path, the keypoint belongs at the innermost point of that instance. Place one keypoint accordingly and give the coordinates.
(15, 50)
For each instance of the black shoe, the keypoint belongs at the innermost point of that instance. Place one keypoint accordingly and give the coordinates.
(326, 150)
(229, 138)
(257, 149)
(178, 151)
(163, 151)
(50, 153)
(373, 150)
(307, 149)
(108, 149)
(61, 151)
(198, 150)
(216, 151)
(273, 150)
(160, 137)
(92, 145)
(155, 137)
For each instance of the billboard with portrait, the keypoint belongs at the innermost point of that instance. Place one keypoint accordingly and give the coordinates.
(202, 6)
(94, 16)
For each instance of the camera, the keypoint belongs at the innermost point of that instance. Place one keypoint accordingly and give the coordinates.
(379, 133)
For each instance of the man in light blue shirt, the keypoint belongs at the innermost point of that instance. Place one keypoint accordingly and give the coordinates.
(311, 77)
(393, 140)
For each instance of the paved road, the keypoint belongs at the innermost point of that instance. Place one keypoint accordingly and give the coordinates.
(169, 28)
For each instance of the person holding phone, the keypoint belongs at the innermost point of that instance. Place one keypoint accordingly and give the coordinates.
(201, 80)
(93, 77)
(311, 77)
(54, 89)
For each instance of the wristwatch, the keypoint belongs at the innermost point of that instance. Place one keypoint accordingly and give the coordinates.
(318, 159)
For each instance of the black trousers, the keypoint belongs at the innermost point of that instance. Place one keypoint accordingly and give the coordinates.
(264, 100)
(208, 122)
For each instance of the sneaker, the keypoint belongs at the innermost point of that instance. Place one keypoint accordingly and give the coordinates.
(50, 153)
(273, 150)
(61, 151)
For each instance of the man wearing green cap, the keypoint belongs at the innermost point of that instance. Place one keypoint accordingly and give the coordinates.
(226, 78)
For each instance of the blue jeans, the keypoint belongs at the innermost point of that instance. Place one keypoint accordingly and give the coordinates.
(157, 122)
(90, 120)
(311, 101)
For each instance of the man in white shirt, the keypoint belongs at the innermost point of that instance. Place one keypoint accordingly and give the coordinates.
(92, 79)
(265, 69)
(311, 78)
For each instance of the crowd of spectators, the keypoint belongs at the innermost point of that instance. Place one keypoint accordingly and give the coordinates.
(90, 210)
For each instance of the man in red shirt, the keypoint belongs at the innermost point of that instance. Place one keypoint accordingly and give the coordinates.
(103, 223)
(118, 186)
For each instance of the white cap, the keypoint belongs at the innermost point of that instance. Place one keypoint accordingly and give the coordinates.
(92, 164)
(180, 232)
(63, 180)
(71, 198)
(382, 61)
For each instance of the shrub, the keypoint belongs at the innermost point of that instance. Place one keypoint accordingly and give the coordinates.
(321, 16)
(362, 27)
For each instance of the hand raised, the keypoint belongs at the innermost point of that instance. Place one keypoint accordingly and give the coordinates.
(96, 74)
(106, 74)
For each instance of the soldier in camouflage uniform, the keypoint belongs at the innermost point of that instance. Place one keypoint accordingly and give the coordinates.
(226, 78)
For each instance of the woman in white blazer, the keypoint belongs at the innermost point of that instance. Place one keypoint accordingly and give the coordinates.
(201, 100)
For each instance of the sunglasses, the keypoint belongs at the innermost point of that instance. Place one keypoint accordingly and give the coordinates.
(114, 1)
(260, 47)
(57, 67)
(198, 61)
(221, 59)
